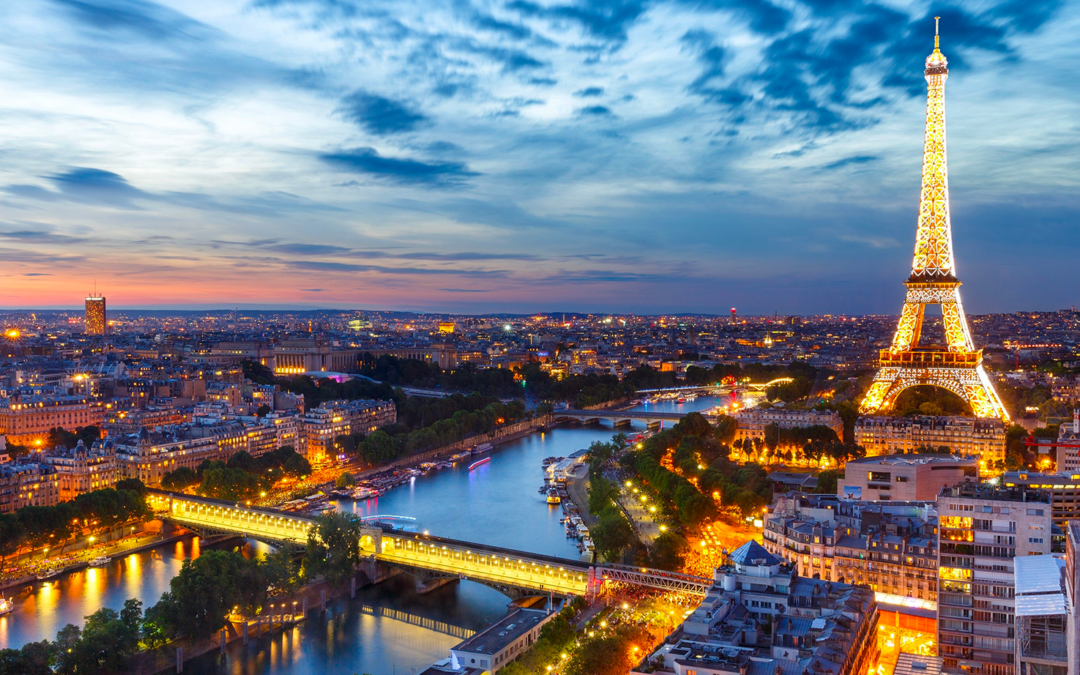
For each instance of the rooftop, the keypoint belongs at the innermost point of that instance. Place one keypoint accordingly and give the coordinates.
(990, 492)
(498, 635)
(913, 460)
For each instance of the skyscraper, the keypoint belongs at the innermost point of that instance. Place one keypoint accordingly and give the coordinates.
(95, 315)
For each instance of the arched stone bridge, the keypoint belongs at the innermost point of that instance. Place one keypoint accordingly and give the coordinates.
(431, 558)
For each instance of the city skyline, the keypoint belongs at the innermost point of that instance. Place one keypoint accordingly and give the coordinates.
(486, 158)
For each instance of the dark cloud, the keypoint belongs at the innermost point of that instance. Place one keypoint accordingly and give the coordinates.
(849, 161)
(447, 256)
(594, 111)
(605, 19)
(132, 17)
(97, 185)
(379, 115)
(41, 237)
(406, 171)
(313, 290)
(308, 249)
(323, 266)
(464, 290)
(589, 91)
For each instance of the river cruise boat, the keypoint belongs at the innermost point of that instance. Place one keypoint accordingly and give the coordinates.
(553, 496)
(100, 561)
(48, 573)
(7, 606)
(479, 463)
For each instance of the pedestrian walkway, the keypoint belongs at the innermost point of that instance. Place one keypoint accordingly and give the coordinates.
(644, 522)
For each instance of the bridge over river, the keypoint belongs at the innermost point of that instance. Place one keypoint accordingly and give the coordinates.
(428, 557)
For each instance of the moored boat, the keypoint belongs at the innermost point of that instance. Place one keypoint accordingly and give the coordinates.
(48, 573)
(100, 561)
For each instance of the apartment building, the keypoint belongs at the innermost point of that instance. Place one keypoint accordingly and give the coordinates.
(1041, 615)
(341, 418)
(752, 423)
(761, 618)
(81, 469)
(1062, 489)
(904, 477)
(26, 420)
(27, 483)
(982, 530)
(968, 436)
(891, 546)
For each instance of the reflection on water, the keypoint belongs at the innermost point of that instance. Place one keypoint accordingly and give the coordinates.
(497, 503)
(44, 607)
(698, 404)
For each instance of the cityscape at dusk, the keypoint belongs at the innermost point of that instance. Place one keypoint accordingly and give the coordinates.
(349, 337)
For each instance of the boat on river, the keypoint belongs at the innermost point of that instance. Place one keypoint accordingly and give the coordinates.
(7, 605)
(553, 496)
(100, 561)
(479, 463)
(49, 573)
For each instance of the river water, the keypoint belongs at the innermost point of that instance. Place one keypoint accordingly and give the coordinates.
(497, 503)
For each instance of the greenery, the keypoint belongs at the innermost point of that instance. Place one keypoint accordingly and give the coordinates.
(333, 548)
(608, 652)
(104, 645)
(826, 481)
(242, 477)
(555, 638)
(97, 511)
(929, 400)
(426, 424)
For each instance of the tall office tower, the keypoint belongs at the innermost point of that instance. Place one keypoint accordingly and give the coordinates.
(95, 315)
(981, 529)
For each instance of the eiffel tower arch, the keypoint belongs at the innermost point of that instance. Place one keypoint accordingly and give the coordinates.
(956, 365)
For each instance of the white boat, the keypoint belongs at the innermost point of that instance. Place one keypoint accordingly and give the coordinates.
(7, 605)
(49, 573)
(100, 561)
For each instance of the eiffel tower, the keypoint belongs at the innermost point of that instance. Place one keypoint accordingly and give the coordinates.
(957, 366)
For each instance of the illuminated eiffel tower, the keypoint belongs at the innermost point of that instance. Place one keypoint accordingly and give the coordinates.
(958, 365)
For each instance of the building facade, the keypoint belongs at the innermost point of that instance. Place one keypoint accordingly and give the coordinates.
(982, 530)
(983, 438)
(752, 423)
(96, 323)
(341, 418)
(904, 477)
(761, 618)
(27, 420)
(1063, 491)
(27, 483)
(81, 469)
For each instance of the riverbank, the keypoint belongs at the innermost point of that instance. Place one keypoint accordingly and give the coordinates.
(164, 659)
(507, 434)
(125, 546)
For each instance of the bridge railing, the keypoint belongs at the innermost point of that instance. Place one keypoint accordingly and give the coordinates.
(658, 579)
(518, 569)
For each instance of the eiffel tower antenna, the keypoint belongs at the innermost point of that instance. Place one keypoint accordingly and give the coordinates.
(958, 365)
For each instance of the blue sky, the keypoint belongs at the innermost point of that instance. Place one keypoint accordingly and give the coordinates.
(527, 155)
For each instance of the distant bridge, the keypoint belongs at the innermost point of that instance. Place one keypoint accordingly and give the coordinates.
(715, 389)
(432, 559)
(620, 417)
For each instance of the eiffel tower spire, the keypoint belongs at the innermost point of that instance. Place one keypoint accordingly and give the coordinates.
(957, 365)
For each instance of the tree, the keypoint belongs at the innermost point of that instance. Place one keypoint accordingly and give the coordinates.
(244, 461)
(103, 645)
(263, 410)
(280, 573)
(199, 597)
(345, 480)
(668, 551)
(612, 534)
(230, 484)
(333, 548)
(33, 659)
(179, 479)
(827, 480)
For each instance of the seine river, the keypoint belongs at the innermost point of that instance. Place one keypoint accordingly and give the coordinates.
(497, 504)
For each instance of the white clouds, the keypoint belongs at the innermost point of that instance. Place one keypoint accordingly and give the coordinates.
(472, 131)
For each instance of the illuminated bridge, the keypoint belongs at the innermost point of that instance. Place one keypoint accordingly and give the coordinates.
(432, 559)
(618, 417)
